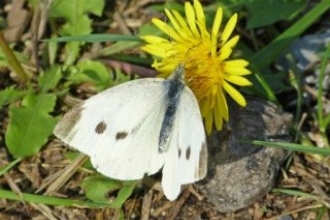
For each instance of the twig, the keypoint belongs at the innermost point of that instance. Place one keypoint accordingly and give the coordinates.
(178, 205)
(146, 204)
(13, 62)
(295, 211)
(66, 174)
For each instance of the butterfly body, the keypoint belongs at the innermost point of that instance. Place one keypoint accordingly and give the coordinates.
(139, 127)
(174, 87)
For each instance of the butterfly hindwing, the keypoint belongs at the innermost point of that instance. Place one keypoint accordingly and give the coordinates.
(186, 158)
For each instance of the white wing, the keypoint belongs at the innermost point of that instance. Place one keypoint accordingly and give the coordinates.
(186, 158)
(119, 129)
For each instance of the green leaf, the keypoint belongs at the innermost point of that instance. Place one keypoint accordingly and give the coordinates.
(71, 155)
(124, 193)
(30, 124)
(91, 71)
(75, 12)
(121, 215)
(72, 51)
(11, 94)
(49, 79)
(120, 78)
(70, 9)
(81, 26)
(150, 29)
(52, 49)
(98, 187)
(266, 12)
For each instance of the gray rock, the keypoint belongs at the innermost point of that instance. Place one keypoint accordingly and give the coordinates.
(240, 174)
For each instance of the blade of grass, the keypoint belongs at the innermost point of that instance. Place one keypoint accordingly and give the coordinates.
(322, 122)
(270, 95)
(95, 38)
(270, 53)
(9, 166)
(296, 82)
(293, 192)
(48, 200)
(297, 193)
(291, 146)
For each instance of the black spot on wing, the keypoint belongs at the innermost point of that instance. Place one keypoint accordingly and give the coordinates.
(121, 135)
(188, 152)
(179, 152)
(100, 127)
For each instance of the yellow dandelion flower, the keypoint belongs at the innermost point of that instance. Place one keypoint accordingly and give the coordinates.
(209, 71)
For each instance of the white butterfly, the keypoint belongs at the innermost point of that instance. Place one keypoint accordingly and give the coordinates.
(139, 127)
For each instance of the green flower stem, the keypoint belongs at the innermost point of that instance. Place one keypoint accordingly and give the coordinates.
(12, 60)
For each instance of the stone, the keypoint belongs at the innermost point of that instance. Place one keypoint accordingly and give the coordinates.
(240, 174)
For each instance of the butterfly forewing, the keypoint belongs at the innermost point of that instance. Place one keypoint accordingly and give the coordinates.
(119, 128)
